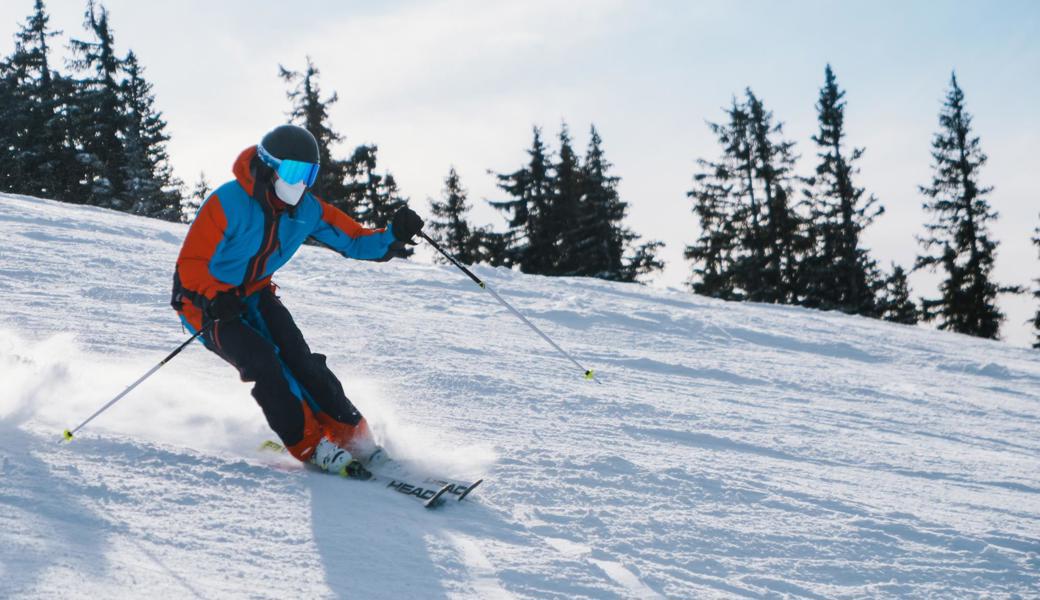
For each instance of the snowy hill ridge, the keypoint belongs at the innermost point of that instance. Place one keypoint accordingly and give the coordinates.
(733, 450)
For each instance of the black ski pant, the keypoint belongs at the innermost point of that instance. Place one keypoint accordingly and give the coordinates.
(258, 344)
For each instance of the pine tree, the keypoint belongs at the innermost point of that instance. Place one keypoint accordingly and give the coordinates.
(31, 103)
(642, 261)
(449, 224)
(539, 255)
(73, 164)
(98, 118)
(783, 239)
(529, 239)
(894, 303)
(311, 112)
(838, 273)
(190, 206)
(958, 239)
(374, 198)
(601, 239)
(565, 217)
(494, 248)
(12, 107)
(151, 189)
(95, 139)
(752, 240)
(716, 195)
(389, 200)
(41, 153)
(563, 213)
(362, 189)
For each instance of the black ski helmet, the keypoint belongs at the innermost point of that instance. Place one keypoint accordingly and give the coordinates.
(293, 143)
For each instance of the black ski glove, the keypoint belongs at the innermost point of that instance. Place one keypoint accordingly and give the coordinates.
(397, 249)
(406, 224)
(225, 306)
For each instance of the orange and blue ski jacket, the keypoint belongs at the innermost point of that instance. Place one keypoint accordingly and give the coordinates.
(242, 235)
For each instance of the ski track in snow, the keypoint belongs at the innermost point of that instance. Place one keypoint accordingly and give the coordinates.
(732, 450)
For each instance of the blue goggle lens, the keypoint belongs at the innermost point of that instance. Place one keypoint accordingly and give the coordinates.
(290, 171)
(294, 171)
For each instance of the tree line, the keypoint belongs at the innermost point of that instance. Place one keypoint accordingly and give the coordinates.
(564, 214)
(91, 134)
(770, 235)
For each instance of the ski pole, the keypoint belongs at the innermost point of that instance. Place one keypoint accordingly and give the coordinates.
(589, 373)
(69, 433)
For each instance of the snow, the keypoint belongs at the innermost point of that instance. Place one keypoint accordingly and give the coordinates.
(732, 450)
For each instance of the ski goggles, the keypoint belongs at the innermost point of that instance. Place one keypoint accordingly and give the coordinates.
(290, 171)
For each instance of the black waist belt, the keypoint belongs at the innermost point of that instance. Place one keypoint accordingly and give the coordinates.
(181, 293)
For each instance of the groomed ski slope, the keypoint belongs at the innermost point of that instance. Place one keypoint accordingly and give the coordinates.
(732, 450)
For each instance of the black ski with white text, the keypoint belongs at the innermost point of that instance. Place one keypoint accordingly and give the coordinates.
(384, 466)
(431, 491)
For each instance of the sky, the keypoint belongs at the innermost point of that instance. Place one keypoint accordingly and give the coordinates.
(461, 83)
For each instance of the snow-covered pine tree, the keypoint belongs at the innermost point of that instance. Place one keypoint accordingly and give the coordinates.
(893, 302)
(958, 239)
(12, 113)
(98, 117)
(32, 142)
(449, 224)
(190, 206)
(10, 175)
(751, 237)
(151, 188)
(838, 272)
(311, 112)
(72, 181)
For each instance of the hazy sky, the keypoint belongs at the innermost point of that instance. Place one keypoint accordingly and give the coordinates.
(460, 83)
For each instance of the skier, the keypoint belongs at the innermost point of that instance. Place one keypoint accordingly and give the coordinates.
(244, 232)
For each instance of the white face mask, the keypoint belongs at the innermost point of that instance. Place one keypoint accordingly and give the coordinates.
(290, 194)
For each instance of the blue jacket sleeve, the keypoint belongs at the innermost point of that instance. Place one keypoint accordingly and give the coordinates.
(338, 231)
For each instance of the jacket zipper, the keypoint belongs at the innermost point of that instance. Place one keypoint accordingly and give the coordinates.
(267, 248)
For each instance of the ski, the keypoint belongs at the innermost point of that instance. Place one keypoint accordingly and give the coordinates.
(472, 486)
(432, 492)
(431, 497)
(385, 466)
(458, 489)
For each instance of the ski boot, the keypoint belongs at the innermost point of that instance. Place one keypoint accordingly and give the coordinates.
(333, 459)
(376, 458)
